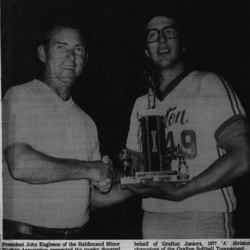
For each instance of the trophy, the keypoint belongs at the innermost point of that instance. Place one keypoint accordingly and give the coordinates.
(155, 163)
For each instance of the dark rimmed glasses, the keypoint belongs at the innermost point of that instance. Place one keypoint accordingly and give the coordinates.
(169, 32)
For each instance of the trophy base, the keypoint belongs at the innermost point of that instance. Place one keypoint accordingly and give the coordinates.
(166, 176)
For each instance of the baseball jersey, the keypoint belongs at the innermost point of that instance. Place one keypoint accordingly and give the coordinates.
(34, 114)
(195, 110)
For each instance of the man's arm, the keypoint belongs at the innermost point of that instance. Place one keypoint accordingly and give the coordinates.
(29, 165)
(234, 164)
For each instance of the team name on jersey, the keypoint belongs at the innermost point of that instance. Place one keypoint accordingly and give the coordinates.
(173, 116)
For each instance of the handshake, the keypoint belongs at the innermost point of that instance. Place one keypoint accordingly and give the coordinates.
(103, 174)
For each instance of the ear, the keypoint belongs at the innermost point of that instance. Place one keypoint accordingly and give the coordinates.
(146, 52)
(86, 59)
(42, 53)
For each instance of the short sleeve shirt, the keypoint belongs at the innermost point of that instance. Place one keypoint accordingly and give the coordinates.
(34, 114)
(196, 113)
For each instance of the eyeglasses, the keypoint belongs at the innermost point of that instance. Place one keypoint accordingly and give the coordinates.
(169, 32)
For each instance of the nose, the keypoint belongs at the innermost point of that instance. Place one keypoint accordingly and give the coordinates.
(70, 54)
(161, 37)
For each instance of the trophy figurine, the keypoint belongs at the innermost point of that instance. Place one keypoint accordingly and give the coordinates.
(150, 80)
(180, 154)
(125, 158)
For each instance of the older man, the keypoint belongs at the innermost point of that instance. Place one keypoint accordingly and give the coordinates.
(51, 147)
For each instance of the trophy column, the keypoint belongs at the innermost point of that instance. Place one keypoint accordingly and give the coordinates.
(153, 141)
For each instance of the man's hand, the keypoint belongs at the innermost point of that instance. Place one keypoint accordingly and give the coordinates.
(160, 190)
(101, 170)
(105, 185)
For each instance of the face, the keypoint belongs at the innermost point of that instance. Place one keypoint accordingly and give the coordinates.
(65, 57)
(164, 53)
